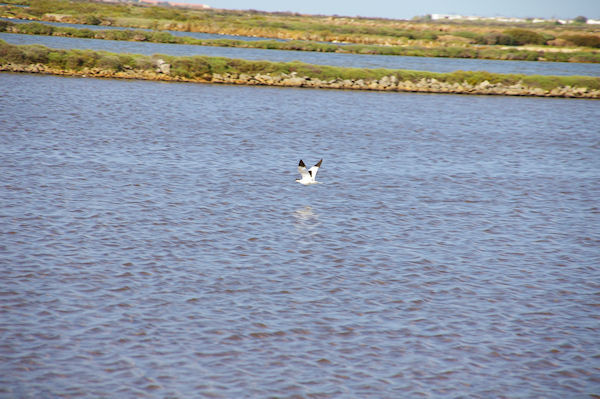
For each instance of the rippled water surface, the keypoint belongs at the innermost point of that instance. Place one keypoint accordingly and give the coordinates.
(312, 57)
(155, 244)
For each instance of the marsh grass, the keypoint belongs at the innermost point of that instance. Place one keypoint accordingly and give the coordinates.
(203, 67)
(358, 30)
(35, 28)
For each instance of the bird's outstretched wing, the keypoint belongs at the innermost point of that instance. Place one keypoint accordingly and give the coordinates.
(302, 170)
(313, 171)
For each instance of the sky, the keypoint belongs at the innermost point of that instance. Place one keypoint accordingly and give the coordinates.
(406, 9)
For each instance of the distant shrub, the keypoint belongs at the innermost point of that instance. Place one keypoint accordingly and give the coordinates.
(92, 20)
(584, 57)
(143, 63)
(110, 61)
(78, 59)
(525, 36)
(427, 35)
(74, 32)
(584, 40)
(472, 78)
(547, 37)
(118, 34)
(467, 34)
(190, 67)
(35, 28)
(10, 53)
(74, 61)
(498, 38)
(5, 25)
(35, 54)
(57, 58)
(475, 37)
(162, 37)
(164, 13)
(459, 52)
(558, 42)
(559, 56)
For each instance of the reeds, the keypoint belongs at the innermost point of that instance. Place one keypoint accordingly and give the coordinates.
(204, 68)
(480, 52)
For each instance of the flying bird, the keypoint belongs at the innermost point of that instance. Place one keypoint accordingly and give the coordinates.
(308, 176)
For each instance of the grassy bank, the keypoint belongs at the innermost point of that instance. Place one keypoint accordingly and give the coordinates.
(310, 27)
(37, 58)
(481, 52)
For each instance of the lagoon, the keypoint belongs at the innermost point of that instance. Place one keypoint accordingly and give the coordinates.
(154, 242)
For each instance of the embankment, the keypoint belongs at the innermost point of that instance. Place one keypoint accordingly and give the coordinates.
(480, 52)
(88, 63)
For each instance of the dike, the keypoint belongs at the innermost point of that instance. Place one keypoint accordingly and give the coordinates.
(387, 83)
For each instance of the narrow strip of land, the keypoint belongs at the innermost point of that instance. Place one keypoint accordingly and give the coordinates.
(549, 41)
(473, 52)
(202, 69)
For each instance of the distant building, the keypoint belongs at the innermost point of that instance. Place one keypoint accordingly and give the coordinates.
(456, 17)
(188, 5)
(174, 4)
(437, 17)
(161, 3)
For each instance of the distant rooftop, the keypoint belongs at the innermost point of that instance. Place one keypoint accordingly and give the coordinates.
(438, 17)
(160, 3)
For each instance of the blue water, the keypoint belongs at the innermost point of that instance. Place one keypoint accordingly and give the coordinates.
(154, 243)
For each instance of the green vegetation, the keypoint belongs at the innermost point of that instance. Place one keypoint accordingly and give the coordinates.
(483, 52)
(583, 40)
(525, 36)
(373, 31)
(203, 68)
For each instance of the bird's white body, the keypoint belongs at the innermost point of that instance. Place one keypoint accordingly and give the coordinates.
(308, 176)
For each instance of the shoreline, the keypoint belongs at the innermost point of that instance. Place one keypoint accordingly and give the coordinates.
(386, 83)
(473, 52)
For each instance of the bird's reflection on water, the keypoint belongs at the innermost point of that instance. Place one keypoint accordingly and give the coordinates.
(306, 220)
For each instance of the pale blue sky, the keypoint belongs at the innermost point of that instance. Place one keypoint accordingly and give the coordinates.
(406, 9)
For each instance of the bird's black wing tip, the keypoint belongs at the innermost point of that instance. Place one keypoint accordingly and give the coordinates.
(318, 165)
(301, 164)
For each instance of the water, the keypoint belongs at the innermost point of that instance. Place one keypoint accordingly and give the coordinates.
(346, 60)
(155, 244)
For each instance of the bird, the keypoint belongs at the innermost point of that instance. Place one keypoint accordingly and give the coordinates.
(308, 176)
